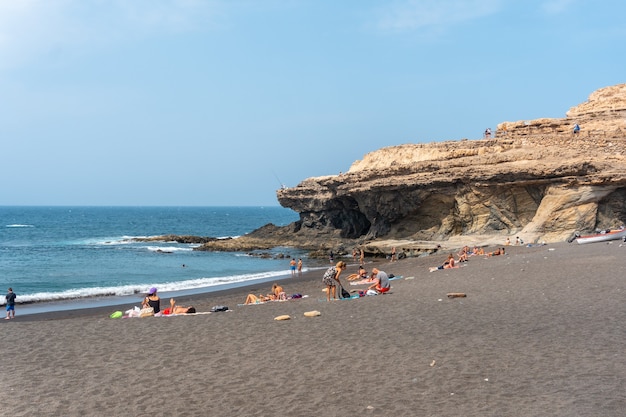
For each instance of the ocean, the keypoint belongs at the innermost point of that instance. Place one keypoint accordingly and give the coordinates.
(73, 257)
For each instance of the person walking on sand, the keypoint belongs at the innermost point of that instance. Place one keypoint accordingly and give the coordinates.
(331, 279)
(10, 304)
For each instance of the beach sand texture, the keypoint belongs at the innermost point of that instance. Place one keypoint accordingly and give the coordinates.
(540, 333)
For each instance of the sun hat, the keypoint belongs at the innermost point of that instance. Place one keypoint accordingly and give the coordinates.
(153, 290)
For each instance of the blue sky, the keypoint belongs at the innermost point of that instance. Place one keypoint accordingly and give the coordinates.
(218, 102)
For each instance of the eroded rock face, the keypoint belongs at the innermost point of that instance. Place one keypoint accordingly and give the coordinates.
(542, 182)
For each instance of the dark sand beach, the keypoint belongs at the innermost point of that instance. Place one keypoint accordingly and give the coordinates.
(540, 333)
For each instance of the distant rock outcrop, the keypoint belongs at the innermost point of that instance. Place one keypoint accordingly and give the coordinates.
(535, 179)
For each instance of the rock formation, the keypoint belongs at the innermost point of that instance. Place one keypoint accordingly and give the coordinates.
(535, 179)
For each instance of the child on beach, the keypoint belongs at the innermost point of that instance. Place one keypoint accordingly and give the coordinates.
(10, 304)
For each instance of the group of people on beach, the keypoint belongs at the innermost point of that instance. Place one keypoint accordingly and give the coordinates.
(464, 254)
(277, 294)
(379, 280)
(153, 301)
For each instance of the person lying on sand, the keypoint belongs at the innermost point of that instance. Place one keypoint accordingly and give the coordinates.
(362, 274)
(254, 299)
(448, 264)
(496, 252)
(174, 309)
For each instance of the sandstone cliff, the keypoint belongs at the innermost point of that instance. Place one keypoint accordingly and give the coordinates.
(535, 179)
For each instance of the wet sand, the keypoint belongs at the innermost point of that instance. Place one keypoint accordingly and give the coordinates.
(540, 333)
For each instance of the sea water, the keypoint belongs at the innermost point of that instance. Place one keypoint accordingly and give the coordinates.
(88, 253)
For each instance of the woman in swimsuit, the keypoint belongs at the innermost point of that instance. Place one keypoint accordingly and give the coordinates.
(152, 300)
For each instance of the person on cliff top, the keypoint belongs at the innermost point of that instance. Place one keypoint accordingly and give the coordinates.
(331, 279)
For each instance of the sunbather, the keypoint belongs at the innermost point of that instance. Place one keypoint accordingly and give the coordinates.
(174, 309)
(448, 264)
(254, 299)
(496, 252)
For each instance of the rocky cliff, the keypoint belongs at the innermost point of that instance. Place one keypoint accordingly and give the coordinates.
(535, 179)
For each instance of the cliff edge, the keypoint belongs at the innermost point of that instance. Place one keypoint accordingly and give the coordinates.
(536, 179)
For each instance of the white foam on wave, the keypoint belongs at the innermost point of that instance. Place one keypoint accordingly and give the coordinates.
(140, 289)
(167, 249)
(19, 225)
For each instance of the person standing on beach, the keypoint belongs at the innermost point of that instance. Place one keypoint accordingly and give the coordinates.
(331, 279)
(10, 304)
(331, 256)
(362, 257)
(292, 266)
(299, 266)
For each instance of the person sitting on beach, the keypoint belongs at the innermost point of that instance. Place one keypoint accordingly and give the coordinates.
(477, 251)
(464, 254)
(278, 292)
(331, 279)
(381, 282)
(448, 264)
(152, 300)
(174, 309)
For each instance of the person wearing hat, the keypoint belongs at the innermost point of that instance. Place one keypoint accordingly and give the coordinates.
(152, 300)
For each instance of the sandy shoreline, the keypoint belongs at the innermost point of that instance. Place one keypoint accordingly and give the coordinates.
(540, 333)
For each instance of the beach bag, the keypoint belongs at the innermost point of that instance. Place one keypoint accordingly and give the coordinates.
(344, 293)
(116, 315)
(146, 312)
(215, 309)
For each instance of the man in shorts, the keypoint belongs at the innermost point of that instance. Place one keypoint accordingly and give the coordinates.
(10, 304)
(381, 282)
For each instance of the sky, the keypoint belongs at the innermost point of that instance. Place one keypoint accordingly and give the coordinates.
(220, 102)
